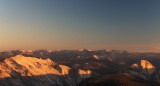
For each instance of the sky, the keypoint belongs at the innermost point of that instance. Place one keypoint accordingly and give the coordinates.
(132, 25)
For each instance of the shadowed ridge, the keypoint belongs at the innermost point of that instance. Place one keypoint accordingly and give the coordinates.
(116, 80)
(37, 80)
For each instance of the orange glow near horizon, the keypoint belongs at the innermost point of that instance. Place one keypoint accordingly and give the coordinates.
(51, 25)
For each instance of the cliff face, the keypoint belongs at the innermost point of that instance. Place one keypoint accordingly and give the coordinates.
(30, 71)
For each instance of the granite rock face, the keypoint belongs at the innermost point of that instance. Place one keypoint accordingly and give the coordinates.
(30, 71)
(147, 67)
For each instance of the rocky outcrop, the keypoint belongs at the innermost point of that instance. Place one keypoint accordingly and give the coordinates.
(145, 70)
(147, 67)
(135, 66)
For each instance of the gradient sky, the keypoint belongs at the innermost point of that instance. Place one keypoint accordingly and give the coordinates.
(74, 24)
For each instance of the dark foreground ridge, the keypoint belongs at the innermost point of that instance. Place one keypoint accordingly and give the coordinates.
(49, 80)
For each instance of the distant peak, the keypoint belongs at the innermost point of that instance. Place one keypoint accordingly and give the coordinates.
(85, 50)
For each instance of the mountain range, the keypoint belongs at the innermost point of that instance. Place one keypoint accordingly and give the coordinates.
(79, 68)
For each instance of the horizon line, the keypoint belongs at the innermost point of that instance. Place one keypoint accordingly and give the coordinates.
(132, 51)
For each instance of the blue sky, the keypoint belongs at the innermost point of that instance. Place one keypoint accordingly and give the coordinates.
(74, 24)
